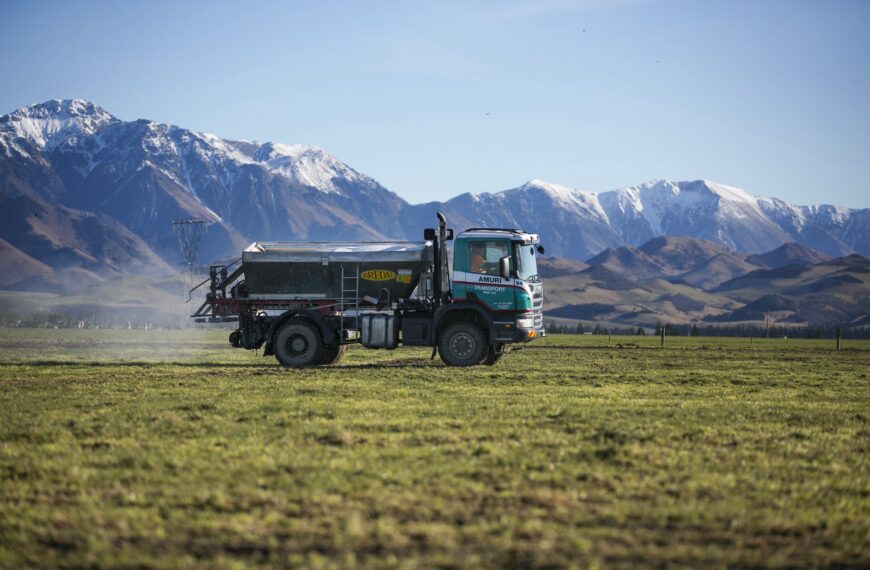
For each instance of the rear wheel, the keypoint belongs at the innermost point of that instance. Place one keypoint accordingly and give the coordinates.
(462, 344)
(298, 344)
(236, 339)
(332, 353)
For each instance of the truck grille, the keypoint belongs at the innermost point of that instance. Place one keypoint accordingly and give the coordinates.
(538, 305)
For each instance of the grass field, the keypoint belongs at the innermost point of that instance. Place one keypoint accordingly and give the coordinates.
(169, 449)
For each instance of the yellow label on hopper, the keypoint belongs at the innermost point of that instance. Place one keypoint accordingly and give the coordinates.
(378, 275)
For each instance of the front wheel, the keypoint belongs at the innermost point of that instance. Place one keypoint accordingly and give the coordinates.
(493, 354)
(333, 353)
(462, 344)
(298, 344)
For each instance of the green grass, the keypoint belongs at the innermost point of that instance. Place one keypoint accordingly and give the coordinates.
(168, 449)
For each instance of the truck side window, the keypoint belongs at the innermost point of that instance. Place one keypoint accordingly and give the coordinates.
(483, 256)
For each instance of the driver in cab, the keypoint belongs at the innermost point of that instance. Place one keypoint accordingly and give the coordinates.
(478, 260)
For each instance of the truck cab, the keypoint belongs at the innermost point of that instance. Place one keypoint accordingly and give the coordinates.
(497, 270)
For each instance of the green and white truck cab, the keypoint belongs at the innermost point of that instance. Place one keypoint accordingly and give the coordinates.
(497, 269)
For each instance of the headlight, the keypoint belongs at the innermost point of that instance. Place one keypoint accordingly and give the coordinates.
(526, 323)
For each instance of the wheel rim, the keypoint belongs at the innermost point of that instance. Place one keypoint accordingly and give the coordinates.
(462, 345)
(297, 345)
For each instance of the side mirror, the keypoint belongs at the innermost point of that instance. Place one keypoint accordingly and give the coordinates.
(504, 267)
(541, 249)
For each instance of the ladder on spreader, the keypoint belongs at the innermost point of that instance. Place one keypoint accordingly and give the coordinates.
(349, 301)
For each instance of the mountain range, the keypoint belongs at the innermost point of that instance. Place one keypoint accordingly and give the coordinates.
(686, 280)
(699, 263)
(85, 196)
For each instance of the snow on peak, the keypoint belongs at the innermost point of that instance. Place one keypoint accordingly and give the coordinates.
(562, 195)
(667, 188)
(650, 201)
(730, 193)
(565, 197)
(49, 124)
(658, 201)
(292, 150)
(307, 165)
(550, 188)
(52, 123)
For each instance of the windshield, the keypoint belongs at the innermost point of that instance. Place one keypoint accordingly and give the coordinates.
(527, 266)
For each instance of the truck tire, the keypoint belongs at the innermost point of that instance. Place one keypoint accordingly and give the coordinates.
(236, 339)
(492, 356)
(298, 344)
(332, 353)
(462, 344)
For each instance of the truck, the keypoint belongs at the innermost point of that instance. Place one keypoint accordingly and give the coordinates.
(305, 302)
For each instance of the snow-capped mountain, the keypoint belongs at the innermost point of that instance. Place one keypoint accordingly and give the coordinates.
(581, 224)
(146, 174)
(702, 209)
(138, 176)
(48, 124)
(571, 223)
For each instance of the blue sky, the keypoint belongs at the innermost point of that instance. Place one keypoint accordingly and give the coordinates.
(438, 98)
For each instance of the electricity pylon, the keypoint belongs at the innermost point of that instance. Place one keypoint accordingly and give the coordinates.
(189, 233)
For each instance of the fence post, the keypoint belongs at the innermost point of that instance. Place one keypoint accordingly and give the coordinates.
(663, 336)
(838, 338)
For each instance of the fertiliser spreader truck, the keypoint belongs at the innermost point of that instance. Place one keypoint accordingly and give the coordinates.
(305, 302)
